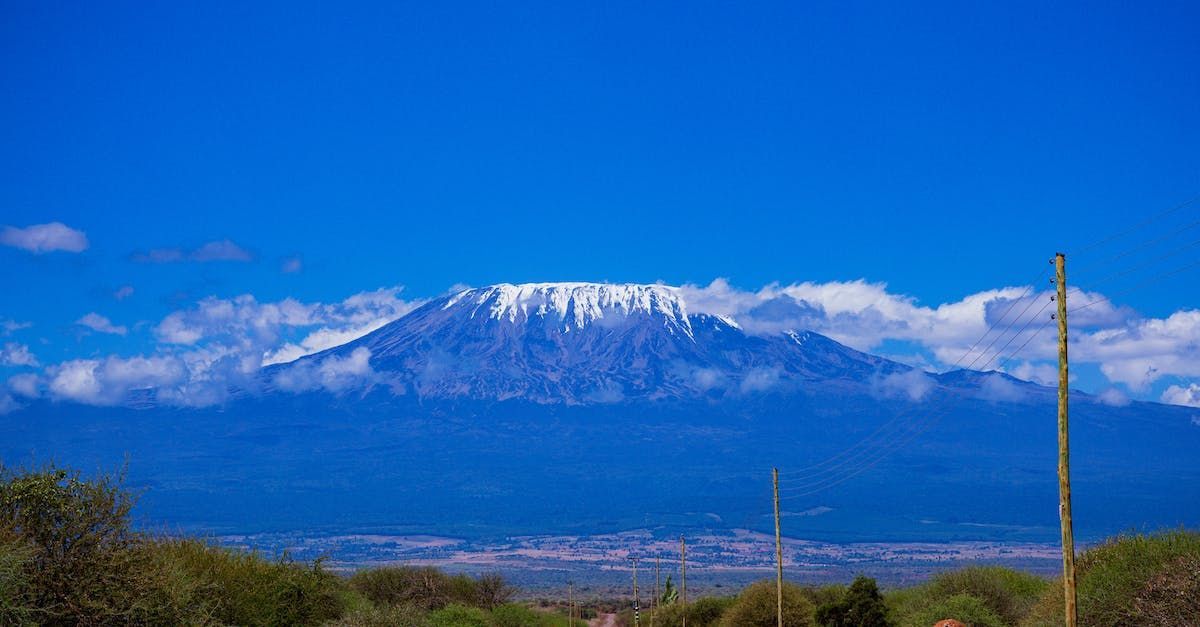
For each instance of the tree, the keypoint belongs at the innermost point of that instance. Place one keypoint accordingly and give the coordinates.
(862, 606)
(80, 564)
(493, 590)
(669, 593)
(756, 606)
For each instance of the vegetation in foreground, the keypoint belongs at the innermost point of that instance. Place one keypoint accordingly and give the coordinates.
(68, 556)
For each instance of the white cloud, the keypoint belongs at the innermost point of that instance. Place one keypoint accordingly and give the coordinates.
(291, 265)
(760, 379)
(217, 250)
(219, 344)
(862, 315)
(1179, 395)
(123, 292)
(108, 381)
(332, 373)
(8, 327)
(44, 238)
(1114, 397)
(1129, 349)
(14, 354)
(1141, 351)
(100, 324)
(913, 384)
(8, 403)
(1041, 373)
(997, 389)
(25, 384)
(221, 250)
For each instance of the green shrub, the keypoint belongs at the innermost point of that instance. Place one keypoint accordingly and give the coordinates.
(457, 615)
(383, 616)
(429, 588)
(1173, 593)
(1009, 594)
(861, 606)
(243, 588)
(80, 566)
(703, 612)
(1117, 581)
(757, 605)
(823, 595)
(491, 590)
(16, 607)
(1006, 593)
(961, 607)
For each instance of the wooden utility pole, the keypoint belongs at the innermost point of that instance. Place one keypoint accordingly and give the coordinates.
(683, 578)
(1064, 458)
(778, 552)
(571, 603)
(637, 610)
(654, 601)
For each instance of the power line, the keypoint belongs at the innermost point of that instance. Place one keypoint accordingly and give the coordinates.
(883, 454)
(1143, 284)
(905, 422)
(1141, 246)
(885, 449)
(1116, 275)
(1148, 221)
(804, 472)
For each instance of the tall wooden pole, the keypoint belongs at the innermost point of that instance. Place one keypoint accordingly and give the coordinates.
(683, 578)
(571, 603)
(1064, 459)
(778, 552)
(654, 602)
(637, 610)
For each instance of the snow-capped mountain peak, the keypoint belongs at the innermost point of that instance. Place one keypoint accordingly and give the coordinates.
(575, 305)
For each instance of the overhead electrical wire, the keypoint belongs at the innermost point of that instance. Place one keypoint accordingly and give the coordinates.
(879, 431)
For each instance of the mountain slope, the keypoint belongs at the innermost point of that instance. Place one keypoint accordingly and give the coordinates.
(579, 343)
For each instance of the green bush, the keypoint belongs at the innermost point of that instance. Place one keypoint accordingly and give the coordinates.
(961, 607)
(861, 606)
(457, 615)
(1173, 593)
(757, 605)
(1009, 594)
(703, 612)
(1006, 593)
(824, 595)
(79, 567)
(243, 588)
(16, 606)
(1118, 581)
(383, 616)
(429, 588)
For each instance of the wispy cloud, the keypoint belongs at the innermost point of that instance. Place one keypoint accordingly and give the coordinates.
(123, 292)
(8, 327)
(100, 324)
(218, 344)
(332, 373)
(44, 238)
(1129, 349)
(1182, 395)
(218, 250)
(291, 265)
(14, 354)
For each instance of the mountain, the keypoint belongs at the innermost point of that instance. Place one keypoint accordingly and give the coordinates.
(588, 408)
(585, 343)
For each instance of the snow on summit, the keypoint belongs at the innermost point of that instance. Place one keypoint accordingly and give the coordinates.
(575, 304)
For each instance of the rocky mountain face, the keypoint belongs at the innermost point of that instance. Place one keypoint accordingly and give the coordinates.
(582, 343)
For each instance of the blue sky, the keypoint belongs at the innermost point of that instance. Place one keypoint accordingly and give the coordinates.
(943, 150)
